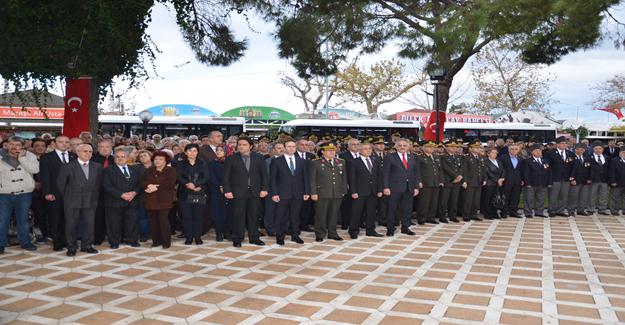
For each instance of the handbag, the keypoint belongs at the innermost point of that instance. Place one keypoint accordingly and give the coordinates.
(498, 201)
(194, 198)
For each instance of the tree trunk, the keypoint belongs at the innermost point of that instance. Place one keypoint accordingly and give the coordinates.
(443, 96)
(371, 109)
(94, 98)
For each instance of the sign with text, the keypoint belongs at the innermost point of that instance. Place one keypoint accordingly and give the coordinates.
(450, 118)
(34, 113)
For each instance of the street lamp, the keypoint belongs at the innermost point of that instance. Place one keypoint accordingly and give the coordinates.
(146, 117)
(437, 76)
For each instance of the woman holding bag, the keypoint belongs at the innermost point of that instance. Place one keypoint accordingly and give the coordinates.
(192, 184)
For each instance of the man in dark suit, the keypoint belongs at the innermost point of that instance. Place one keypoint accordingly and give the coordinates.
(103, 157)
(270, 207)
(308, 209)
(513, 180)
(474, 179)
(536, 179)
(289, 189)
(209, 144)
(365, 187)
(350, 155)
(560, 160)
(49, 168)
(121, 184)
(429, 167)
(599, 163)
(79, 183)
(400, 179)
(451, 171)
(379, 153)
(579, 195)
(611, 150)
(616, 177)
(245, 183)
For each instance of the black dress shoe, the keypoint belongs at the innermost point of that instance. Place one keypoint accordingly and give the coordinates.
(407, 231)
(235, 244)
(443, 220)
(374, 234)
(344, 227)
(504, 216)
(541, 215)
(552, 215)
(353, 236)
(29, 247)
(307, 229)
(1, 250)
(390, 233)
(166, 246)
(421, 223)
(476, 218)
(219, 237)
(89, 250)
(58, 248)
(432, 221)
(337, 238)
(257, 242)
(318, 239)
(297, 240)
(181, 236)
(280, 241)
(114, 246)
(71, 252)
(466, 219)
(454, 219)
(489, 218)
(198, 241)
(134, 244)
(188, 242)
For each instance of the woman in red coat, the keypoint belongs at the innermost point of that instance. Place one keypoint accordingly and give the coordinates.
(158, 183)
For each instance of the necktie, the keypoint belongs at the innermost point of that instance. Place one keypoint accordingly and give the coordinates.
(369, 166)
(404, 161)
(332, 162)
(126, 172)
(246, 161)
(292, 166)
(106, 162)
(600, 160)
(562, 154)
(64, 159)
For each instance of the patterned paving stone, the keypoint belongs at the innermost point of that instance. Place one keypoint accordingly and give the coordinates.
(527, 271)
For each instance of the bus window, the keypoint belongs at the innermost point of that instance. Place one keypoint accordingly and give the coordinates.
(377, 132)
(486, 135)
(517, 135)
(406, 133)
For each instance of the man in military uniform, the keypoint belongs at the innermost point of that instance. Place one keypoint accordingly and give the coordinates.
(451, 170)
(430, 185)
(379, 153)
(328, 184)
(474, 178)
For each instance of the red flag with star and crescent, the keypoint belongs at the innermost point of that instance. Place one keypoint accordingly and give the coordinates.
(614, 107)
(76, 117)
(429, 133)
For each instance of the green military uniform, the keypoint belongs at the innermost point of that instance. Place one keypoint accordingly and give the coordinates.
(431, 178)
(328, 179)
(474, 176)
(451, 167)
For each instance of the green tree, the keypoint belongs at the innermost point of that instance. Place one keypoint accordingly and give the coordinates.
(506, 83)
(611, 93)
(47, 41)
(379, 84)
(316, 33)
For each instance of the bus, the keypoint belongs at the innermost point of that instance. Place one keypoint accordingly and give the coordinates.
(542, 133)
(171, 125)
(355, 128)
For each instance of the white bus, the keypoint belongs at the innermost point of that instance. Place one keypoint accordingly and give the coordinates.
(484, 131)
(355, 128)
(171, 125)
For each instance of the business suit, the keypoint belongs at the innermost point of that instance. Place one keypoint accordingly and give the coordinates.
(513, 178)
(80, 194)
(245, 185)
(616, 179)
(599, 187)
(494, 172)
(121, 215)
(611, 152)
(328, 180)
(431, 181)
(536, 179)
(560, 162)
(364, 181)
(474, 176)
(346, 204)
(381, 202)
(50, 165)
(291, 188)
(451, 168)
(579, 194)
(402, 182)
(99, 231)
(207, 154)
(307, 211)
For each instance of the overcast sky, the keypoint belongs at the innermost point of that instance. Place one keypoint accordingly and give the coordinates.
(254, 79)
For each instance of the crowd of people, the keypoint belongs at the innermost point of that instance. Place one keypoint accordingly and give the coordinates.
(103, 189)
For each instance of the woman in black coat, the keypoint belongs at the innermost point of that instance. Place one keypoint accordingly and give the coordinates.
(494, 180)
(192, 185)
(218, 203)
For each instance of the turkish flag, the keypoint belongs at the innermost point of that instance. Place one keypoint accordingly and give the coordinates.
(614, 107)
(76, 118)
(429, 134)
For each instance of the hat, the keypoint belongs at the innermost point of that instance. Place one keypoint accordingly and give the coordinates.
(597, 144)
(475, 143)
(328, 146)
(536, 147)
(561, 139)
(452, 144)
(429, 144)
(313, 137)
(378, 140)
(580, 145)
(396, 134)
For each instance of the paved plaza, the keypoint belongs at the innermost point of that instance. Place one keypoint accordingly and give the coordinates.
(513, 271)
